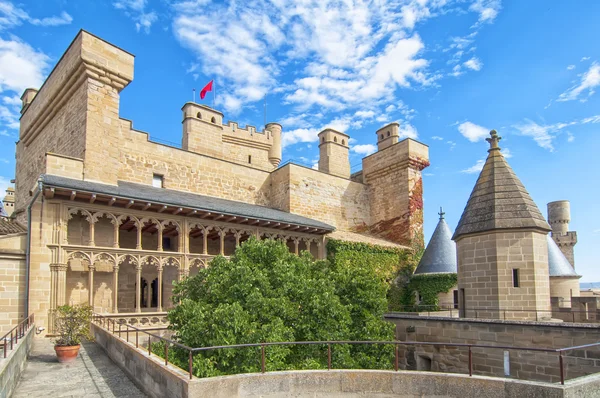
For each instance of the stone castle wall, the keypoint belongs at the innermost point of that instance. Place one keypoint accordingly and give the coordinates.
(12, 280)
(528, 365)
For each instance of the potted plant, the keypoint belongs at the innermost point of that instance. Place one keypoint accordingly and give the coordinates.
(72, 325)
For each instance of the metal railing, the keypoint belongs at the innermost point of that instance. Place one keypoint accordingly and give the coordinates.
(119, 329)
(16, 333)
(566, 315)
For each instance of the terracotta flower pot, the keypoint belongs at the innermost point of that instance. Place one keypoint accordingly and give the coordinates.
(66, 354)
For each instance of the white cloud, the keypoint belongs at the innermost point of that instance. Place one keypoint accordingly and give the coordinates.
(476, 168)
(487, 10)
(2, 160)
(506, 153)
(407, 130)
(298, 135)
(543, 135)
(589, 81)
(63, 19)
(570, 67)
(584, 59)
(570, 137)
(452, 144)
(592, 119)
(21, 67)
(474, 64)
(472, 131)
(437, 137)
(364, 149)
(365, 114)
(136, 10)
(11, 16)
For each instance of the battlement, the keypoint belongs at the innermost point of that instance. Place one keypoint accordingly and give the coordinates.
(569, 238)
(205, 133)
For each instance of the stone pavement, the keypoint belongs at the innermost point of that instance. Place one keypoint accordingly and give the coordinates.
(92, 375)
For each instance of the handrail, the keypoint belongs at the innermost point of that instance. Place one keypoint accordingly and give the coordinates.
(106, 323)
(19, 331)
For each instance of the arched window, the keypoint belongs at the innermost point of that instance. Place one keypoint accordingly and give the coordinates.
(388, 133)
(213, 120)
(199, 115)
(381, 136)
(334, 139)
(322, 139)
(343, 142)
(250, 159)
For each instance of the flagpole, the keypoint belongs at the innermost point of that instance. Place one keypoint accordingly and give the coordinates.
(214, 93)
(194, 95)
(265, 125)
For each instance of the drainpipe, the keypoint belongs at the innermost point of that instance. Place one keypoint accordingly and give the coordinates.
(28, 245)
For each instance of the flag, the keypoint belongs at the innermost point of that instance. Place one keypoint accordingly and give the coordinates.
(206, 89)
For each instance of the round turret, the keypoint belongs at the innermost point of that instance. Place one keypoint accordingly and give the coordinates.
(274, 129)
(559, 216)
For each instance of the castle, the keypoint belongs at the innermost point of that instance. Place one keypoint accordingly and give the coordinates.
(110, 218)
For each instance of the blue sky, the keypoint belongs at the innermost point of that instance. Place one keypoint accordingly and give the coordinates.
(447, 70)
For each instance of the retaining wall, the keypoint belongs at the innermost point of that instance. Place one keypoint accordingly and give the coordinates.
(12, 366)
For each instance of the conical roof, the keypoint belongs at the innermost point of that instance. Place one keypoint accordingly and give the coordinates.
(558, 263)
(499, 200)
(440, 254)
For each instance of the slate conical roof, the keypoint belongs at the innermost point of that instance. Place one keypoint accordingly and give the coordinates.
(558, 263)
(499, 200)
(440, 254)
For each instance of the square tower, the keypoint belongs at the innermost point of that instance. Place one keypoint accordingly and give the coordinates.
(501, 247)
(333, 153)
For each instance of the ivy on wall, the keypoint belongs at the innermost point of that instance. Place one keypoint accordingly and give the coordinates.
(394, 266)
(429, 286)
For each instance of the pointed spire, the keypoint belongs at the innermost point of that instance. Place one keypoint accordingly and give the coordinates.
(499, 200)
(440, 255)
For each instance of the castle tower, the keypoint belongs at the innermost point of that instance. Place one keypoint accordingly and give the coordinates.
(440, 255)
(440, 258)
(559, 216)
(502, 247)
(274, 130)
(388, 135)
(564, 281)
(393, 175)
(9, 201)
(333, 153)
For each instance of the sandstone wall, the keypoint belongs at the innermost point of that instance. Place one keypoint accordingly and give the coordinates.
(396, 191)
(529, 365)
(311, 193)
(12, 280)
(485, 275)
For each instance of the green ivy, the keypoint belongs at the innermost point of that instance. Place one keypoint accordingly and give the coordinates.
(429, 286)
(394, 266)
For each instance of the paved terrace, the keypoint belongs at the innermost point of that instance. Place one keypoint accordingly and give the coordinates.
(92, 375)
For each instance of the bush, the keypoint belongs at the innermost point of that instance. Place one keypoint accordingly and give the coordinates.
(266, 294)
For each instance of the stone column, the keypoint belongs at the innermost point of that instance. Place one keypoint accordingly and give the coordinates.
(115, 309)
(61, 285)
(139, 236)
(296, 244)
(238, 235)
(138, 293)
(91, 269)
(205, 241)
(92, 223)
(160, 237)
(53, 285)
(159, 303)
(308, 245)
(149, 293)
(116, 233)
(222, 234)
